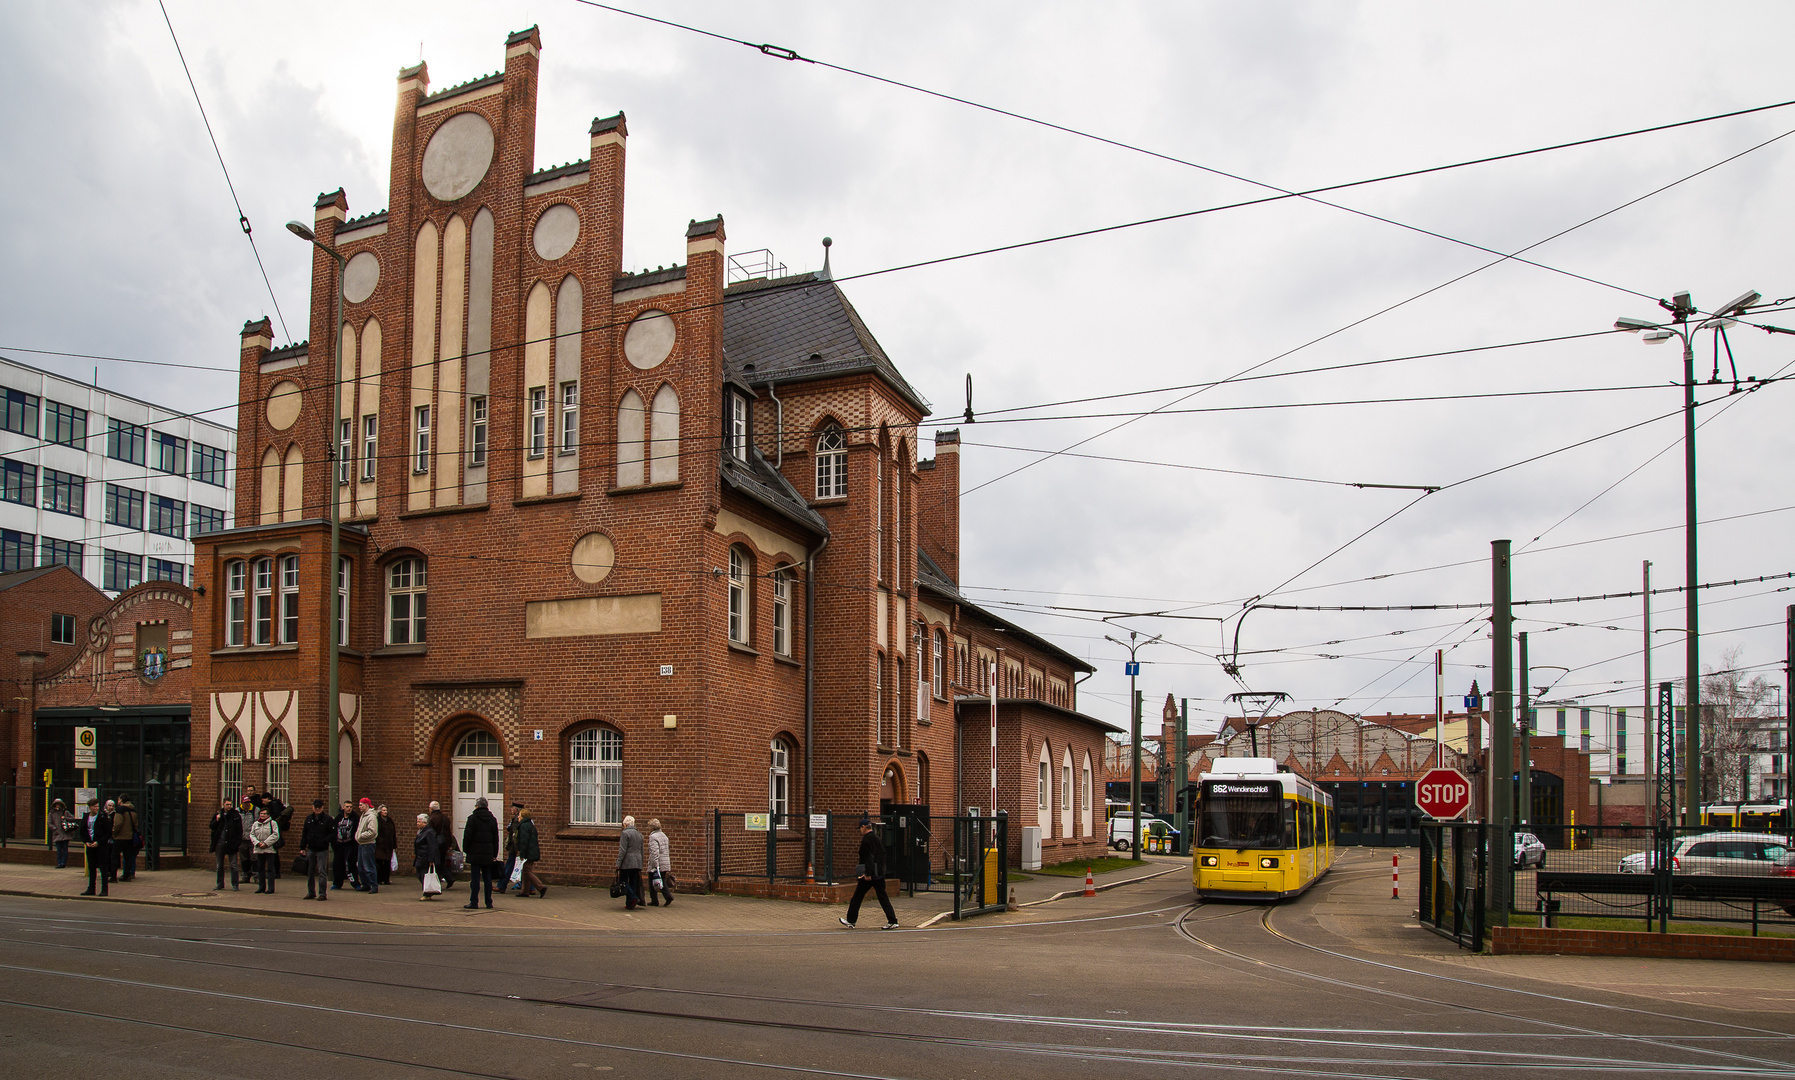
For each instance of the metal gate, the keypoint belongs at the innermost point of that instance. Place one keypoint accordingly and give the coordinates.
(1454, 875)
(981, 864)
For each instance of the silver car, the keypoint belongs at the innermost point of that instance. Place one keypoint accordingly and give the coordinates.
(1734, 854)
(1529, 851)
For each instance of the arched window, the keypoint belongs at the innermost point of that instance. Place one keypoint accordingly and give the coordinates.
(280, 767)
(831, 463)
(782, 610)
(236, 602)
(779, 783)
(922, 778)
(1044, 791)
(897, 701)
(879, 701)
(663, 437)
(230, 768)
(595, 788)
(632, 426)
(741, 568)
(405, 592)
(1066, 791)
(940, 660)
(262, 573)
(478, 743)
(1084, 796)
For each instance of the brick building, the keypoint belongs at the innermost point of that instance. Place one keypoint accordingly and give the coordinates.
(613, 543)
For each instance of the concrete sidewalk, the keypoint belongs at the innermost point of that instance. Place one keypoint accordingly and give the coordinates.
(1041, 899)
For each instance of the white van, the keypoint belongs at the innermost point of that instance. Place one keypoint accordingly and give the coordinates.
(1121, 829)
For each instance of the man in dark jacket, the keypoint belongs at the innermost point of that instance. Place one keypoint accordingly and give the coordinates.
(871, 872)
(227, 835)
(511, 857)
(318, 833)
(96, 840)
(126, 832)
(480, 844)
(445, 842)
(342, 843)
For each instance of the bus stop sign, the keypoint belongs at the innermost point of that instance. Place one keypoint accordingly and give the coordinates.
(1443, 793)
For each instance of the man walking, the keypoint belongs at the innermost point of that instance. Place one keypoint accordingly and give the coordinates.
(367, 832)
(480, 844)
(871, 873)
(96, 841)
(511, 847)
(629, 863)
(315, 837)
(227, 834)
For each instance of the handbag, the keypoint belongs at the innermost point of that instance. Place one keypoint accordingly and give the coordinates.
(457, 862)
(302, 863)
(433, 885)
(618, 888)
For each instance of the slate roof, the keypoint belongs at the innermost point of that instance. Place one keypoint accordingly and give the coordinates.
(930, 577)
(759, 482)
(777, 325)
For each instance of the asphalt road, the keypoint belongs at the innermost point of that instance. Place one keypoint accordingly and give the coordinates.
(1142, 983)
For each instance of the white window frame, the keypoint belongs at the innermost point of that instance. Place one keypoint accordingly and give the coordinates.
(595, 777)
(570, 417)
(538, 444)
(779, 783)
(289, 601)
(741, 613)
(230, 768)
(236, 617)
(407, 588)
(782, 610)
(831, 463)
(477, 412)
(345, 448)
(940, 669)
(279, 757)
(261, 583)
(1085, 814)
(343, 600)
(370, 446)
(420, 426)
(738, 425)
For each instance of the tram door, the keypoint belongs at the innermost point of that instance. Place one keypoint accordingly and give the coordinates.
(477, 769)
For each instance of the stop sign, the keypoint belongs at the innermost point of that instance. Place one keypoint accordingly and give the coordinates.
(1443, 793)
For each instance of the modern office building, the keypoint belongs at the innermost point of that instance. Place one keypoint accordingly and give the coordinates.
(110, 486)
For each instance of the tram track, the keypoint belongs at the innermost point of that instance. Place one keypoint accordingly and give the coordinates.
(1375, 1049)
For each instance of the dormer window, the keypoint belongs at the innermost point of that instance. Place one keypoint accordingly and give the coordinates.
(737, 427)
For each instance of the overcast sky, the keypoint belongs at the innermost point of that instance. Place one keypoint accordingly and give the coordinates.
(121, 239)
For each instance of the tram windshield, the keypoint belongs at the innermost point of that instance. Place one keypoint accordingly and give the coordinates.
(1237, 815)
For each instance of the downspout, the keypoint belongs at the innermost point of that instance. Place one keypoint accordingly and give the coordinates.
(810, 698)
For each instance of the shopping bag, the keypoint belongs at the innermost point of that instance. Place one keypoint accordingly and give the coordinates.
(433, 885)
(395, 861)
(517, 874)
(457, 862)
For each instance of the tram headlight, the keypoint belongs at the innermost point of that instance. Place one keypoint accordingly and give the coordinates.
(1270, 862)
(1211, 860)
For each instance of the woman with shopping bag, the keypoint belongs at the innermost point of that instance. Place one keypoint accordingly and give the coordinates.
(424, 856)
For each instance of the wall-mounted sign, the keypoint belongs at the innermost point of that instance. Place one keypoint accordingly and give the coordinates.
(754, 822)
(819, 821)
(87, 754)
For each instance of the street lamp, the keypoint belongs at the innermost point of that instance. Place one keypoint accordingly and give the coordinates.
(332, 441)
(1681, 307)
(1134, 711)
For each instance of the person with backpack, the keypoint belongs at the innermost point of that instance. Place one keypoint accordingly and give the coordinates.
(367, 831)
(316, 836)
(227, 833)
(871, 873)
(342, 844)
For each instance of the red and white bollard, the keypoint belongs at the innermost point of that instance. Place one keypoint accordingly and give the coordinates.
(1395, 878)
(1090, 883)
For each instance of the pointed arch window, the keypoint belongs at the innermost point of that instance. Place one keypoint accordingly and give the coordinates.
(632, 427)
(831, 464)
(280, 767)
(230, 768)
(663, 436)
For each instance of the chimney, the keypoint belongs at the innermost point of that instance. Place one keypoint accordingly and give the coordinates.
(940, 504)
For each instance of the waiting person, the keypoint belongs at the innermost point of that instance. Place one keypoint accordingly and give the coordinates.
(871, 873)
(510, 847)
(247, 849)
(480, 843)
(367, 833)
(111, 812)
(629, 863)
(424, 852)
(385, 845)
(529, 849)
(660, 865)
(126, 838)
(445, 842)
(227, 834)
(342, 846)
(64, 827)
(96, 842)
(263, 833)
(315, 837)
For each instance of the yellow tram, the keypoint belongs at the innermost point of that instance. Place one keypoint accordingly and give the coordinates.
(1260, 833)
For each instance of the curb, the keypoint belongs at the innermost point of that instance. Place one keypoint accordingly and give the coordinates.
(318, 915)
(1078, 892)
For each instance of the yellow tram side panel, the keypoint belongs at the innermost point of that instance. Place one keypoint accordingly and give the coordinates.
(1244, 874)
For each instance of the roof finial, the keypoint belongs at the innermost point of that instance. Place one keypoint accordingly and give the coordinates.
(826, 275)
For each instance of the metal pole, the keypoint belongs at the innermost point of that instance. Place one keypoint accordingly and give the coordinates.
(333, 488)
(1524, 812)
(1502, 727)
(1789, 723)
(1180, 775)
(995, 663)
(1134, 792)
(1692, 641)
(1648, 728)
(1439, 707)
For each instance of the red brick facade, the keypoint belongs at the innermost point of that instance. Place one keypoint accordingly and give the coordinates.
(656, 517)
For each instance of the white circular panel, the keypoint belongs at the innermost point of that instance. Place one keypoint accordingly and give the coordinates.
(649, 339)
(593, 557)
(556, 231)
(284, 399)
(360, 277)
(458, 156)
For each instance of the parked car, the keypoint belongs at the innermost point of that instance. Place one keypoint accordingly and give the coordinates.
(1785, 868)
(1529, 850)
(1121, 829)
(1734, 854)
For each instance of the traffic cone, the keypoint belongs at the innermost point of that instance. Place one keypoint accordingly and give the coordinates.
(809, 874)
(1013, 906)
(1090, 883)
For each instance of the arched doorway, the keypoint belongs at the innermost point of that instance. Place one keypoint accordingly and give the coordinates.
(477, 768)
(891, 788)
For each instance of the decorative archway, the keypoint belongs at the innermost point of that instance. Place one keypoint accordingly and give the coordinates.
(476, 770)
(892, 789)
